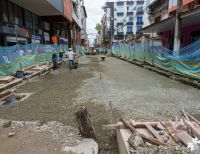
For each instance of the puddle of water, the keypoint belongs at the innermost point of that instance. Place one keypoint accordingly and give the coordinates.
(10, 100)
(15, 98)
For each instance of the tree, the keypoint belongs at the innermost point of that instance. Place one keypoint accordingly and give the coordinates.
(98, 27)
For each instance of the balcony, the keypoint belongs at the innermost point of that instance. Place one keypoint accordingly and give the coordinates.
(120, 33)
(130, 23)
(120, 24)
(130, 2)
(140, 2)
(120, 3)
(129, 33)
(140, 12)
(130, 13)
(120, 14)
(139, 23)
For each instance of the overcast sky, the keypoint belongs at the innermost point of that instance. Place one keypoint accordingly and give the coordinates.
(94, 12)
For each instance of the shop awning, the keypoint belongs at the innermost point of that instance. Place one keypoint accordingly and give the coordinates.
(190, 17)
(42, 7)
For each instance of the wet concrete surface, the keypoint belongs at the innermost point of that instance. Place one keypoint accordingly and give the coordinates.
(110, 89)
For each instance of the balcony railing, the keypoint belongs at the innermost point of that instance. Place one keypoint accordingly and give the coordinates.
(129, 33)
(139, 23)
(140, 12)
(130, 13)
(120, 33)
(130, 23)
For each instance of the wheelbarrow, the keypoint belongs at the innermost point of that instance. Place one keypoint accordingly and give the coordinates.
(103, 58)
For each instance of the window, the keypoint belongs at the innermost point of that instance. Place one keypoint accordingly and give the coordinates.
(18, 15)
(129, 28)
(120, 3)
(140, 2)
(35, 21)
(28, 19)
(139, 19)
(120, 29)
(3, 11)
(130, 19)
(140, 9)
(139, 28)
(11, 13)
(15, 14)
(120, 14)
(130, 3)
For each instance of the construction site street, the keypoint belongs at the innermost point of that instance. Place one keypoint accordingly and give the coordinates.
(110, 89)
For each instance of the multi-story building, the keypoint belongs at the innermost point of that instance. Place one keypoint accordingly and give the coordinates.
(83, 29)
(23, 21)
(124, 18)
(162, 21)
(39, 21)
(79, 23)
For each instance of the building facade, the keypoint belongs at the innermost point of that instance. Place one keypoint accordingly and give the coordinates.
(79, 15)
(123, 19)
(25, 22)
(162, 21)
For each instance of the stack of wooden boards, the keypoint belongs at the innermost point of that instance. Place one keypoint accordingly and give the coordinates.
(131, 135)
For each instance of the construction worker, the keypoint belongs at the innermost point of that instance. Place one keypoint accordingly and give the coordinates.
(71, 57)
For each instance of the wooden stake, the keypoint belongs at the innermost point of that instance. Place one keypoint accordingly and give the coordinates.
(84, 124)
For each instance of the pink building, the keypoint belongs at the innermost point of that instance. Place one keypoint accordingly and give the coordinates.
(162, 18)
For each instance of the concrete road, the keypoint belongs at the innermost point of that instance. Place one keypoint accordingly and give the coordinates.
(110, 89)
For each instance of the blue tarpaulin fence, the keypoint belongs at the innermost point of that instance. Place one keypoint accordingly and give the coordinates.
(21, 56)
(186, 63)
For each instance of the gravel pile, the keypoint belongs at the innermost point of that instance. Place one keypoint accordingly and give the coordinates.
(152, 103)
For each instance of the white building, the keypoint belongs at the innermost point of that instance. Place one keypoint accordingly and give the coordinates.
(125, 18)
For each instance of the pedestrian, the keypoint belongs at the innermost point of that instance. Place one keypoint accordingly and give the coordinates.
(55, 61)
(61, 56)
(71, 57)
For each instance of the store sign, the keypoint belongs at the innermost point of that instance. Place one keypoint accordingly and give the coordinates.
(14, 39)
(37, 37)
(54, 39)
(12, 30)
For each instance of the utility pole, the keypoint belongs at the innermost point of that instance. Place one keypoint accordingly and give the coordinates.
(177, 33)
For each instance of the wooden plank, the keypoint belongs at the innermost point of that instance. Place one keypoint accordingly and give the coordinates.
(184, 114)
(120, 125)
(6, 79)
(135, 132)
(191, 117)
(4, 94)
(149, 139)
(11, 84)
(168, 126)
(184, 138)
(195, 131)
(122, 141)
(169, 139)
(154, 132)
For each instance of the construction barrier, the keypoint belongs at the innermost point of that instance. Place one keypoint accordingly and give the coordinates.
(102, 50)
(22, 56)
(80, 50)
(186, 63)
